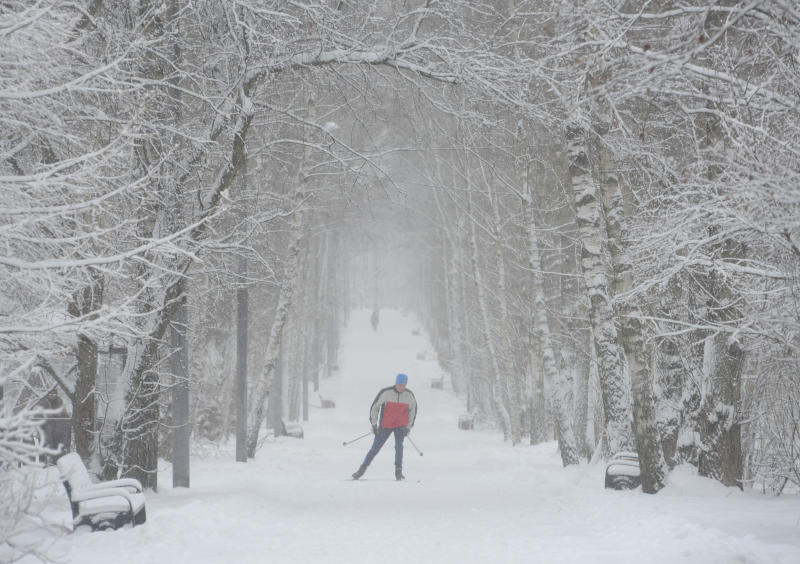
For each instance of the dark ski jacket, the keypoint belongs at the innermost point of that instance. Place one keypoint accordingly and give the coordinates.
(393, 409)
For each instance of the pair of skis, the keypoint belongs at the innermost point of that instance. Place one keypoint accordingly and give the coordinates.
(380, 480)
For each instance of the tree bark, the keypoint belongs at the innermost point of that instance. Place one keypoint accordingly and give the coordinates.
(582, 371)
(670, 370)
(554, 381)
(653, 469)
(510, 380)
(720, 455)
(452, 276)
(84, 408)
(334, 298)
(288, 284)
(616, 396)
(496, 386)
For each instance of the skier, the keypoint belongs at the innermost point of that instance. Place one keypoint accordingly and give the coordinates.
(393, 411)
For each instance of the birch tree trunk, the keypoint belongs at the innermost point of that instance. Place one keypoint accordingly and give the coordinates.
(556, 385)
(446, 257)
(304, 327)
(291, 277)
(538, 407)
(288, 284)
(616, 397)
(452, 276)
(318, 312)
(496, 386)
(471, 382)
(457, 339)
(582, 371)
(653, 469)
(334, 298)
(294, 362)
(510, 382)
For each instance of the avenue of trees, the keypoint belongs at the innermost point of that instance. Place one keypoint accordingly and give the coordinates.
(597, 202)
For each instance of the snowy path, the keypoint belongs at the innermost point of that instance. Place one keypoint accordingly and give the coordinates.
(469, 499)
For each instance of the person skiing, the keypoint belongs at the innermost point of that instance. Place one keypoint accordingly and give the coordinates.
(394, 410)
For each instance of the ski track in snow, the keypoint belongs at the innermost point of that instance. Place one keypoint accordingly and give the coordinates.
(470, 499)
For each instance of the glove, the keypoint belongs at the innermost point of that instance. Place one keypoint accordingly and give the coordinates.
(408, 431)
(374, 429)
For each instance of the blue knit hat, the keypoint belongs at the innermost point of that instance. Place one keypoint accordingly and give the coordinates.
(401, 379)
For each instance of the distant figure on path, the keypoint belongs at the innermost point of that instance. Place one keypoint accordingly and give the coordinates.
(374, 319)
(393, 411)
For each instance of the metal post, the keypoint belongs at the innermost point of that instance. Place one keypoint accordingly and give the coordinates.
(179, 363)
(241, 365)
(306, 378)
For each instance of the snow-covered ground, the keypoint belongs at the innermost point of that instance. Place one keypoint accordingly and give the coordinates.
(469, 499)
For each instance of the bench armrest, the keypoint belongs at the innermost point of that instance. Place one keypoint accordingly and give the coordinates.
(120, 483)
(97, 493)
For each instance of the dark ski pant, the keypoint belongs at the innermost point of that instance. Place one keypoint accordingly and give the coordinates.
(380, 438)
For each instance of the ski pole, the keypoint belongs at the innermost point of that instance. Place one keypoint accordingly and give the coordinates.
(345, 443)
(412, 444)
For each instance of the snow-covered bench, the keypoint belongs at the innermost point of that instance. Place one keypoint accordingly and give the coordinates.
(105, 505)
(622, 472)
